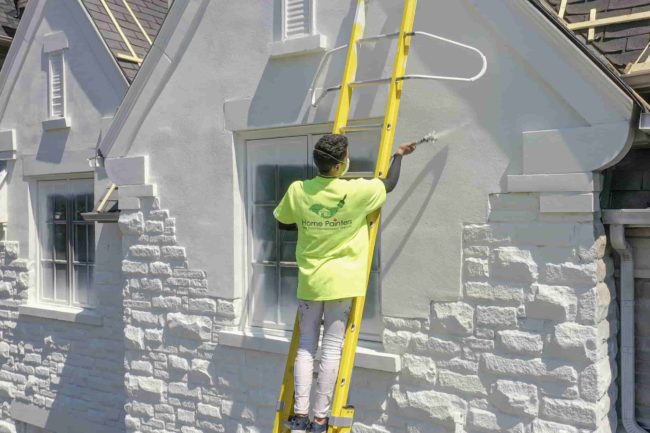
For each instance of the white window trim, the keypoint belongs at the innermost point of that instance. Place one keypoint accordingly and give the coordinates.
(370, 354)
(308, 43)
(54, 120)
(36, 306)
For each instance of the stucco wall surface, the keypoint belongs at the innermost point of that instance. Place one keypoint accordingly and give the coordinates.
(205, 71)
(63, 376)
(94, 90)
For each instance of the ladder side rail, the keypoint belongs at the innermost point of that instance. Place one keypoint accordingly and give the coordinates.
(350, 71)
(353, 328)
(284, 408)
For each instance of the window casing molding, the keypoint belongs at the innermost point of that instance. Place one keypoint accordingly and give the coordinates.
(66, 243)
(57, 91)
(244, 225)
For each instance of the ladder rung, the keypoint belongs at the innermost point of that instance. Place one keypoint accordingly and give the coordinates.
(378, 37)
(359, 128)
(374, 82)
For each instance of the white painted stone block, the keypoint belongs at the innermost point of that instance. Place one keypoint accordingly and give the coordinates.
(515, 398)
(55, 41)
(568, 203)
(128, 170)
(453, 317)
(570, 182)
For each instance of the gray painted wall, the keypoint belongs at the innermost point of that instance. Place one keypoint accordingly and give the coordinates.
(183, 131)
(73, 368)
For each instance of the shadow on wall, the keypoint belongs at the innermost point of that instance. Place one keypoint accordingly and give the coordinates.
(433, 169)
(59, 376)
(291, 77)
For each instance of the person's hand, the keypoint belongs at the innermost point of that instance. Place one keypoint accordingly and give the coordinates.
(407, 148)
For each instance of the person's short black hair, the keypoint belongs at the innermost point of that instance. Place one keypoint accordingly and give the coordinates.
(329, 151)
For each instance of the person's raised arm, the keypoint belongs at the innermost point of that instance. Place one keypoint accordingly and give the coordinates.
(390, 182)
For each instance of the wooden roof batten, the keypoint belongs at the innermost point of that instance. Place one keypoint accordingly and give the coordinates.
(642, 63)
(133, 56)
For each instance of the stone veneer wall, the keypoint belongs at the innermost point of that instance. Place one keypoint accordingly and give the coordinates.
(530, 346)
(70, 371)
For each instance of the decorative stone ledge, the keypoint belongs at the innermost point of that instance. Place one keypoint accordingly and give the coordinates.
(298, 46)
(58, 123)
(369, 355)
(8, 144)
(67, 314)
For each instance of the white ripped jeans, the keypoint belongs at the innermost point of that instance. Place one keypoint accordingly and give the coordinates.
(336, 314)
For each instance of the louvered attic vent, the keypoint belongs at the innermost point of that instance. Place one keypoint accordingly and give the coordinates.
(297, 18)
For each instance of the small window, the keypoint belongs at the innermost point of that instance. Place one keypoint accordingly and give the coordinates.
(272, 164)
(297, 17)
(57, 85)
(67, 242)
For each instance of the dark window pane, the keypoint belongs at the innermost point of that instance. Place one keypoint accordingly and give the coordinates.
(47, 242)
(81, 284)
(376, 256)
(288, 174)
(91, 243)
(288, 253)
(371, 325)
(62, 283)
(82, 204)
(47, 281)
(288, 302)
(80, 243)
(265, 295)
(264, 226)
(60, 241)
(264, 183)
(56, 207)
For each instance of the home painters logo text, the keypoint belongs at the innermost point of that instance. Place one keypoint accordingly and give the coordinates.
(327, 213)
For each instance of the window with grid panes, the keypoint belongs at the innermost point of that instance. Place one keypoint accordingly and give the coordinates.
(67, 242)
(272, 165)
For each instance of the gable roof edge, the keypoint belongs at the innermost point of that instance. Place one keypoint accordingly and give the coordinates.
(153, 72)
(597, 59)
(103, 41)
(18, 51)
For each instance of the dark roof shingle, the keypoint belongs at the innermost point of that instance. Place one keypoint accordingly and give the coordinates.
(8, 20)
(150, 14)
(622, 43)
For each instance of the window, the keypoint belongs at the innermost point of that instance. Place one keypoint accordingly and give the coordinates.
(56, 85)
(67, 242)
(297, 18)
(272, 164)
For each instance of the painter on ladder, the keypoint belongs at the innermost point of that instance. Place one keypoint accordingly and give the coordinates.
(329, 214)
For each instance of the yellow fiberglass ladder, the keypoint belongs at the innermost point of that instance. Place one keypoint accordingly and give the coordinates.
(342, 414)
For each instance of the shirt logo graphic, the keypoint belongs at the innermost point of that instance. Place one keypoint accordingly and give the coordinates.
(327, 212)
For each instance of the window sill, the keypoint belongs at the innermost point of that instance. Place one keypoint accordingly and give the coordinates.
(369, 355)
(66, 314)
(57, 123)
(298, 46)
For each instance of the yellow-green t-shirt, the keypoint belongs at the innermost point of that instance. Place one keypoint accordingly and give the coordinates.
(333, 240)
